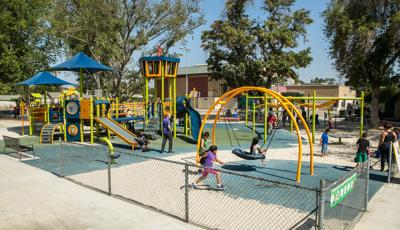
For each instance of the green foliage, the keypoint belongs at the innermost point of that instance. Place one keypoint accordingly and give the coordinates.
(277, 38)
(114, 31)
(329, 81)
(26, 45)
(364, 38)
(244, 52)
(231, 47)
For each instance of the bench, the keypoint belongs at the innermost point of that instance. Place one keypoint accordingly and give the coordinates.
(13, 143)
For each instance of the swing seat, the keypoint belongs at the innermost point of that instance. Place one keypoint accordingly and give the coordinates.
(115, 156)
(246, 155)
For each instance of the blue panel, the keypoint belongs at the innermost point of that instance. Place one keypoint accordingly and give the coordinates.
(73, 131)
(72, 109)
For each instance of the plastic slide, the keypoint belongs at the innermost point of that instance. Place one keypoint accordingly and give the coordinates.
(118, 130)
(182, 107)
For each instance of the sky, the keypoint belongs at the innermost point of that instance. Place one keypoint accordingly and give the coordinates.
(321, 65)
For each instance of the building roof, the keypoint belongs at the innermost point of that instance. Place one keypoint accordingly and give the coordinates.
(196, 69)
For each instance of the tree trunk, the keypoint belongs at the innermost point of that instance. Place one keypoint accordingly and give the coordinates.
(374, 108)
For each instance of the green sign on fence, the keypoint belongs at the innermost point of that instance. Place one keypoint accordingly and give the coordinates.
(341, 191)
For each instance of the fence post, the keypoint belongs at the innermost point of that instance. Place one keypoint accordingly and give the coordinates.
(366, 186)
(109, 171)
(186, 193)
(321, 204)
(61, 158)
(390, 162)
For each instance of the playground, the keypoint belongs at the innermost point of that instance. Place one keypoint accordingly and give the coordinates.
(114, 147)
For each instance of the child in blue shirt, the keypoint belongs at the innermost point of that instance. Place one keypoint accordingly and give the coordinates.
(324, 143)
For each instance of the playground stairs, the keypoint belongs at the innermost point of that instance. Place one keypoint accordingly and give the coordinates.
(47, 132)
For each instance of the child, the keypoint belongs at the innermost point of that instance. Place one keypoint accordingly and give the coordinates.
(208, 168)
(363, 149)
(255, 148)
(271, 120)
(324, 143)
(204, 145)
(235, 114)
(142, 141)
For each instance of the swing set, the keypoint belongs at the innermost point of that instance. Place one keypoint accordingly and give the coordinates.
(311, 104)
(286, 104)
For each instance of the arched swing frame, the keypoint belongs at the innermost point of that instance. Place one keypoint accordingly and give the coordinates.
(286, 104)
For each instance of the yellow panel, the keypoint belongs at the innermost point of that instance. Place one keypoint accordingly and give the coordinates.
(85, 109)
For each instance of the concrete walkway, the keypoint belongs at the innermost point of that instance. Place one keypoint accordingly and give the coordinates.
(34, 199)
(383, 210)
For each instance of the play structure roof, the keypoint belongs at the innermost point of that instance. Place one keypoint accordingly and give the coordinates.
(160, 58)
(81, 62)
(44, 78)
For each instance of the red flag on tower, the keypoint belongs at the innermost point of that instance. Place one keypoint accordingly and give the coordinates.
(159, 50)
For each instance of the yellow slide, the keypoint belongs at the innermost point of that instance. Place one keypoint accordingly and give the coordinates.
(118, 130)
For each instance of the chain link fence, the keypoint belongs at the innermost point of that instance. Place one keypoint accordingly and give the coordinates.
(246, 203)
(344, 201)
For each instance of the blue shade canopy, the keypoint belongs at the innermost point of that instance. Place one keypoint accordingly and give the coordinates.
(44, 78)
(81, 62)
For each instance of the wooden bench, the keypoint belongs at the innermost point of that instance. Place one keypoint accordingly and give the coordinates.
(14, 143)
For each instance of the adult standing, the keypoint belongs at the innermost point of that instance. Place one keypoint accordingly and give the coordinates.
(167, 133)
(388, 136)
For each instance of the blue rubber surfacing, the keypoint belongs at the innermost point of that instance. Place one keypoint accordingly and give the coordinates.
(82, 159)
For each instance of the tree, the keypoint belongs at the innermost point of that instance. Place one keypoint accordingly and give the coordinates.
(26, 45)
(364, 38)
(328, 81)
(113, 31)
(246, 53)
(277, 38)
(231, 47)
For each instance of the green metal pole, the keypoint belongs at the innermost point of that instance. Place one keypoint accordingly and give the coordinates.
(46, 106)
(30, 122)
(162, 97)
(313, 116)
(265, 118)
(174, 102)
(308, 113)
(116, 107)
(361, 113)
(81, 123)
(186, 124)
(81, 81)
(64, 118)
(155, 97)
(91, 120)
(247, 109)
(97, 124)
(146, 102)
(254, 117)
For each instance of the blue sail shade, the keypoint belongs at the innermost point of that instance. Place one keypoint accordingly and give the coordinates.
(44, 78)
(81, 62)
